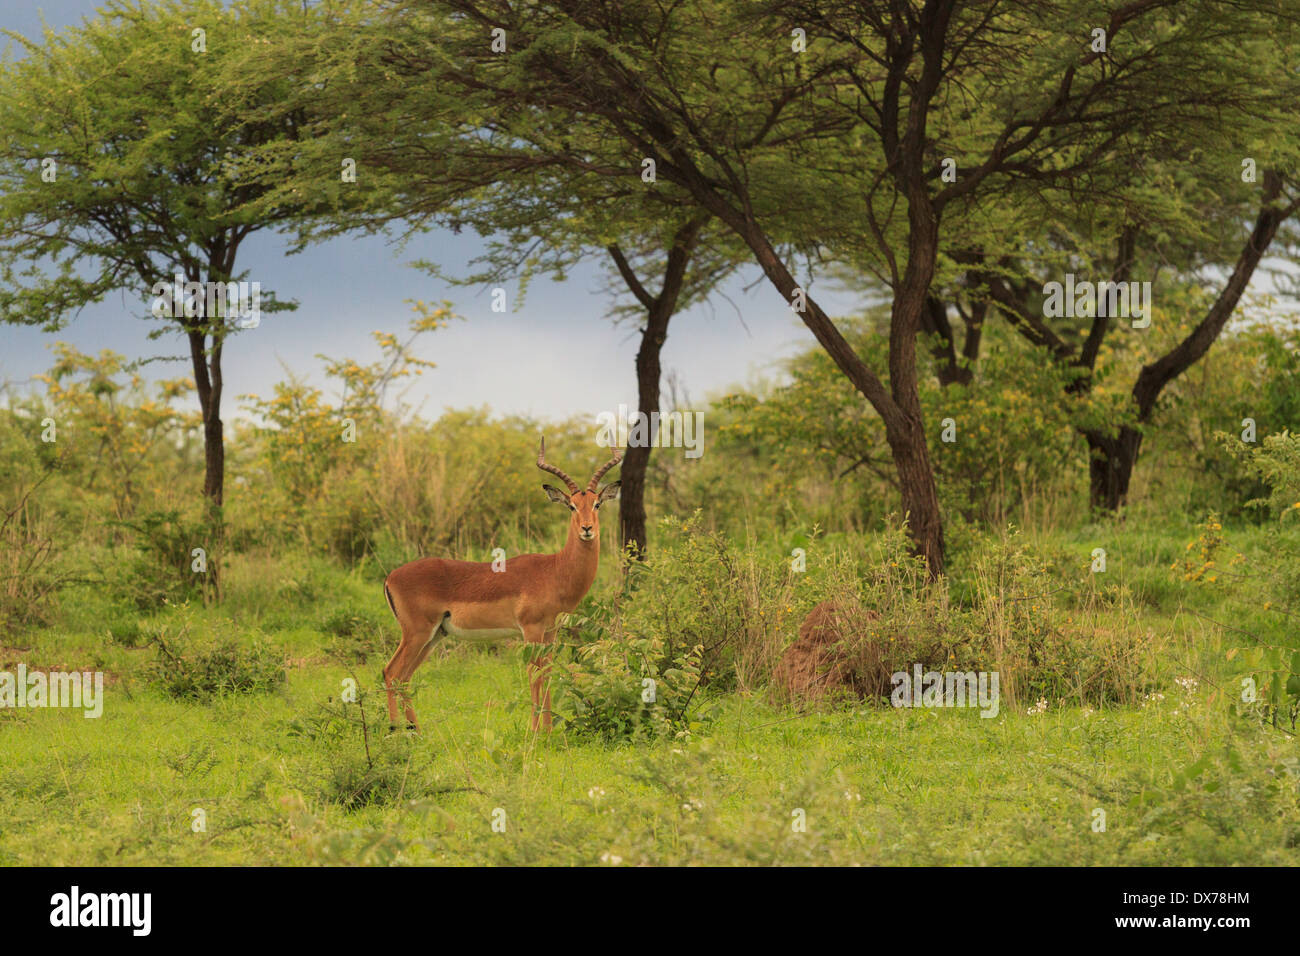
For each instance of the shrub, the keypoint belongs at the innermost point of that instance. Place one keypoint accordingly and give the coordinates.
(192, 670)
(160, 571)
(357, 632)
(349, 621)
(28, 580)
(1202, 556)
(616, 686)
(1275, 462)
(1042, 641)
(1054, 641)
(124, 630)
(738, 603)
(360, 768)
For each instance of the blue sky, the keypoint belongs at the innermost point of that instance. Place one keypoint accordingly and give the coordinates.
(560, 355)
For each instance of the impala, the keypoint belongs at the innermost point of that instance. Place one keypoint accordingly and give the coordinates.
(471, 601)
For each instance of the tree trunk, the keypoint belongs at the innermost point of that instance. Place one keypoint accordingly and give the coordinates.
(920, 494)
(1110, 466)
(214, 457)
(899, 404)
(659, 310)
(906, 435)
(208, 383)
(631, 509)
(1111, 459)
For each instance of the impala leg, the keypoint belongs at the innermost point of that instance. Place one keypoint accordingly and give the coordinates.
(536, 675)
(410, 653)
(539, 680)
(406, 698)
(390, 688)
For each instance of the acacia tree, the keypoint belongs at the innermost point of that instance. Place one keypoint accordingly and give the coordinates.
(1185, 235)
(883, 133)
(119, 173)
(1176, 206)
(755, 128)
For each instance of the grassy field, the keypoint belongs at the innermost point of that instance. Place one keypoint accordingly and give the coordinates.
(289, 774)
(964, 349)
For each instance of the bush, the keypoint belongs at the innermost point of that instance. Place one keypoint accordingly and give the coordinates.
(615, 686)
(193, 670)
(350, 620)
(739, 604)
(1056, 641)
(1043, 641)
(357, 632)
(124, 630)
(28, 581)
(361, 769)
(160, 570)
(1274, 462)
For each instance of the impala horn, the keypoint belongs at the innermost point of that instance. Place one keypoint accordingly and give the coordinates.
(600, 472)
(541, 463)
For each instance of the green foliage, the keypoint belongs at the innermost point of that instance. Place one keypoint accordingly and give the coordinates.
(1270, 686)
(1113, 683)
(618, 687)
(1204, 802)
(360, 769)
(219, 665)
(137, 147)
(1012, 429)
(735, 602)
(161, 568)
(1277, 403)
(125, 629)
(29, 579)
(1249, 375)
(1275, 463)
(1013, 434)
(349, 621)
(358, 631)
(1040, 623)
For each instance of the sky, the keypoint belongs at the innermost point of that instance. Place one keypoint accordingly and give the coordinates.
(560, 355)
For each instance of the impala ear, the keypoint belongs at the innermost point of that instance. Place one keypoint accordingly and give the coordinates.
(607, 493)
(555, 494)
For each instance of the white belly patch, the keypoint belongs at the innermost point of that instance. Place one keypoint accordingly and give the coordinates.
(485, 635)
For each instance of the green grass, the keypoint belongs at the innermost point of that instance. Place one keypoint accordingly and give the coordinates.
(282, 776)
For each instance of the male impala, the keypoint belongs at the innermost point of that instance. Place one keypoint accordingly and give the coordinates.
(468, 600)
